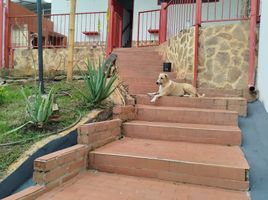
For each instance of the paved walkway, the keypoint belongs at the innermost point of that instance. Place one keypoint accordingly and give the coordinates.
(255, 145)
(102, 186)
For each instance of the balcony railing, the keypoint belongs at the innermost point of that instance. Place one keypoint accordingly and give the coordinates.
(90, 29)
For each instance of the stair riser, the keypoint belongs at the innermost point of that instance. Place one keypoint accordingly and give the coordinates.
(205, 136)
(238, 105)
(187, 116)
(193, 173)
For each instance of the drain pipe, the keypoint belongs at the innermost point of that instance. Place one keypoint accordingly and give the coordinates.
(252, 45)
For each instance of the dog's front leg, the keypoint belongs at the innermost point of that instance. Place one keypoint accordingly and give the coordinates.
(156, 97)
(153, 94)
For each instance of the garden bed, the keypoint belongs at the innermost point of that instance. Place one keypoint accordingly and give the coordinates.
(13, 114)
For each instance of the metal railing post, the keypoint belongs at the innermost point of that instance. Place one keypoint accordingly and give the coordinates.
(163, 23)
(7, 35)
(196, 40)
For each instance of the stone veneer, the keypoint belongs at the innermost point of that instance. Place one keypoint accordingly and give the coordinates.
(223, 55)
(55, 60)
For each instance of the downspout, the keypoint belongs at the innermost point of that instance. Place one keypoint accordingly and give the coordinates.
(252, 45)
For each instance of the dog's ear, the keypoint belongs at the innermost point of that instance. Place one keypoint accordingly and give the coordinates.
(166, 75)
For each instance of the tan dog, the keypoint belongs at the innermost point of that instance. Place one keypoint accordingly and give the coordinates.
(168, 87)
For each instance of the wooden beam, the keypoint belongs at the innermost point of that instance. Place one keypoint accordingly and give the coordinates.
(71, 41)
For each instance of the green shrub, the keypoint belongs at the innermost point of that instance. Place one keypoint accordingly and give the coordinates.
(98, 86)
(2, 95)
(39, 107)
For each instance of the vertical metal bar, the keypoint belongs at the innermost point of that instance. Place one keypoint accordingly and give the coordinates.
(237, 9)
(90, 26)
(40, 46)
(81, 29)
(142, 27)
(151, 21)
(7, 35)
(230, 8)
(222, 13)
(207, 11)
(138, 34)
(215, 12)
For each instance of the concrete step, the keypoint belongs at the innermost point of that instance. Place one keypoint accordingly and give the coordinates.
(221, 92)
(203, 164)
(195, 133)
(186, 115)
(237, 104)
(100, 186)
(145, 49)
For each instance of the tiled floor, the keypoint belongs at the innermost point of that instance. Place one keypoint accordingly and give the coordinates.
(104, 186)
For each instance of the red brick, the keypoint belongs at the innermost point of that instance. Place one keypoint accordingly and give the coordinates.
(55, 174)
(38, 177)
(66, 158)
(45, 165)
(76, 166)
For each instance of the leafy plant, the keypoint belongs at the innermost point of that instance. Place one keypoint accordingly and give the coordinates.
(98, 86)
(39, 107)
(2, 95)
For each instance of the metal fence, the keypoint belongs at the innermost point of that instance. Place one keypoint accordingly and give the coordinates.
(90, 29)
(148, 28)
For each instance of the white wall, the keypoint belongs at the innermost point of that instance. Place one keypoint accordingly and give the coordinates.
(84, 23)
(262, 74)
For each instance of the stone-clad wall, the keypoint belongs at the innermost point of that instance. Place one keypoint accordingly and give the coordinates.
(55, 60)
(179, 50)
(223, 55)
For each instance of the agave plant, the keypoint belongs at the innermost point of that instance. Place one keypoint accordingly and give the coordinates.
(39, 107)
(98, 86)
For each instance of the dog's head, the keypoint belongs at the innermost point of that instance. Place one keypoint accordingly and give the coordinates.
(162, 79)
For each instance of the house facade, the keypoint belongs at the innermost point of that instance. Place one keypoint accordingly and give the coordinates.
(139, 23)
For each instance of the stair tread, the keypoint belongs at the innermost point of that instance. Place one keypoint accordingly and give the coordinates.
(183, 109)
(204, 154)
(183, 125)
(99, 185)
(205, 98)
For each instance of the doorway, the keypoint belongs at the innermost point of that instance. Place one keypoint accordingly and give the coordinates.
(121, 23)
(127, 28)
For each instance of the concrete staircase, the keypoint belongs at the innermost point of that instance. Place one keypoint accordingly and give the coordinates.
(187, 140)
(139, 68)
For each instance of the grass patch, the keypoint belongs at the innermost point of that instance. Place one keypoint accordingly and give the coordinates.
(13, 114)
